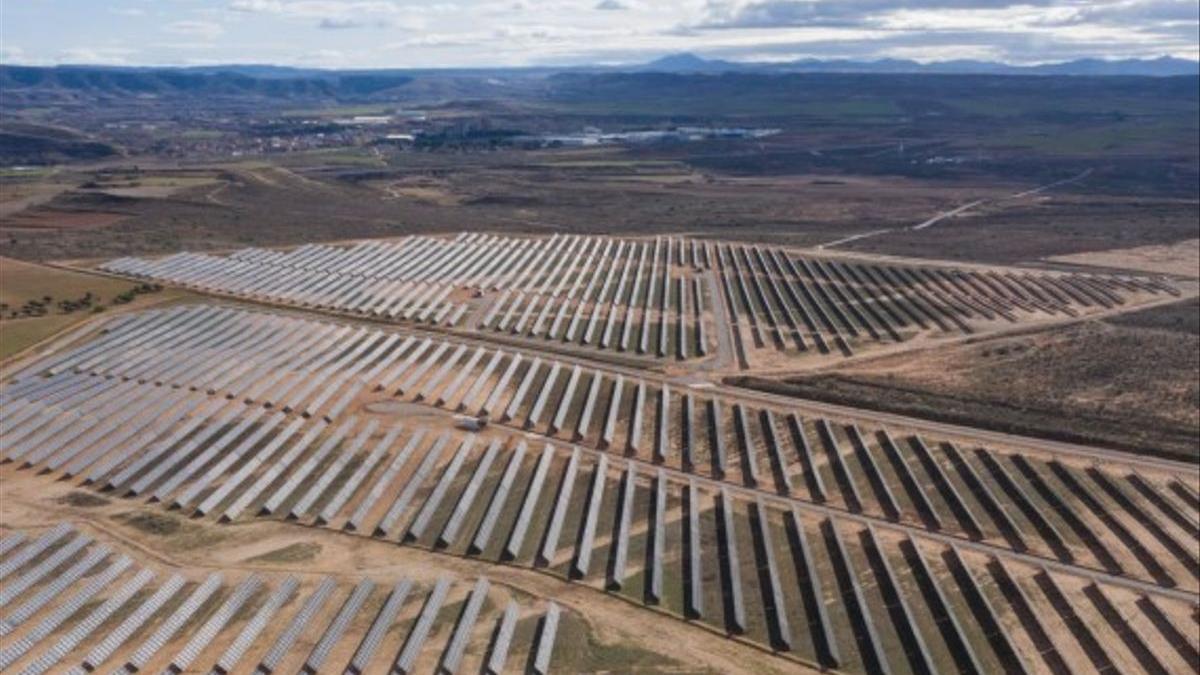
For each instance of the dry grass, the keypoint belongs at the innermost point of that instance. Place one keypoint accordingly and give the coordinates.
(1117, 385)
(21, 282)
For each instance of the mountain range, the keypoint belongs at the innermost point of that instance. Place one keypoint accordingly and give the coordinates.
(1165, 66)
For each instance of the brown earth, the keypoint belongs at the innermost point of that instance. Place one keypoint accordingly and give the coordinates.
(544, 192)
(1127, 383)
(1054, 225)
(1181, 258)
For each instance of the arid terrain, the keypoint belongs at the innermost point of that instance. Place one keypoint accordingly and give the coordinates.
(599, 372)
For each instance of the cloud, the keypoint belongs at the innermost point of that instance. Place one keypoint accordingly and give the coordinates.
(324, 58)
(833, 13)
(336, 14)
(96, 55)
(346, 23)
(256, 5)
(1018, 47)
(339, 23)
(316, 9)
(1135, 12)
(202, 29)
(557, 32)
(12, 53)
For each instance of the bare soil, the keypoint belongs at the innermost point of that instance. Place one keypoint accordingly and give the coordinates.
(1181, 258)
(1054, 225)
(1110, 384)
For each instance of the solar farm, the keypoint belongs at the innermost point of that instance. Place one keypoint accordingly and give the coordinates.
(528, 437)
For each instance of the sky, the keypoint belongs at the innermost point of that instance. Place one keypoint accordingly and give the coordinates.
(474, 33)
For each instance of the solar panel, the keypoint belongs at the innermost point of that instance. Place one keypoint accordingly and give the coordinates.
(956, 636)
(90, 623)
(621, 554)
(160, 449)
(539, 404)
(546, 640)
(452, 658)
(274, 470)
(333, 470)
(780, 464)
(14, 588)
(379, 627)
(217, 469)
(560, 416)
(338, 626)
(467, 498)
(119, 635)
(179, 475)
(164, 462)
(216, 623)
(496, 505)
(654, 585)
(420, 630)
(384, 481)
(263, 455)
(31, 551)
(695, 584)
(826, 641)
(778, 609)
(614, 412)
(860, 615)
(503, 642)
(477, 386)
(717, 437)
(355, 480)
(635, 427)
(414, 483)
(283, 644)
(733, 571)
(439, 491)
(57, 585)
(250, 632)
(501, 387)
(554, 529)
(310, 465)
(522, 389)
(583, 557)
(173, 623)
(62, 612)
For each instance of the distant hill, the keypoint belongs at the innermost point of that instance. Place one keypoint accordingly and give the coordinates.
(1160, 67)
(25, 143)
(431, 86)
(836, 95)
(201, 82)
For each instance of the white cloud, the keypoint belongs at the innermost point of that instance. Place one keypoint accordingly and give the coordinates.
(208, 30)
(339, 23)
(338, 14)
(11, 53)
(96, 55)
(317, 9)
(399, 33)
(324, 58)
(256, 5)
